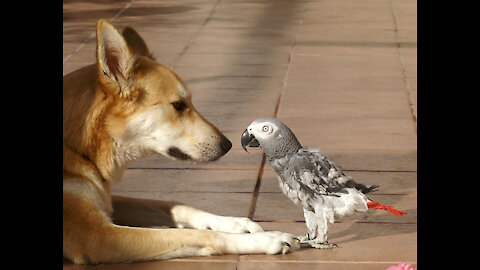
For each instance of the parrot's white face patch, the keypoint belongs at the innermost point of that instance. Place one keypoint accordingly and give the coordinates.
(262, 130)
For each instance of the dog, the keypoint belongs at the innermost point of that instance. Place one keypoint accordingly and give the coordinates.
(124, 107)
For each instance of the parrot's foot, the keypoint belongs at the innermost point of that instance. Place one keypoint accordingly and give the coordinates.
(305, 242)
(324, 245)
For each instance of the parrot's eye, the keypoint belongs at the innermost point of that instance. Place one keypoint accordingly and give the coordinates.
(265, 128)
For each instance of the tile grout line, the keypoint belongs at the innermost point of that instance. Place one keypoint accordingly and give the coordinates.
(195, 35)
(256, 190)
(290, 58)
(127, 6)
(402, 64)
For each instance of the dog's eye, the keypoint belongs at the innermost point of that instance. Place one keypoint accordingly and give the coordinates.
(179, 105)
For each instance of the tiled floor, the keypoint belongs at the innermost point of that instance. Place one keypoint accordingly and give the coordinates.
(341, 74)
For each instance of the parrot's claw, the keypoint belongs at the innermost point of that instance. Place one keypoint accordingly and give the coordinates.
(302, 238)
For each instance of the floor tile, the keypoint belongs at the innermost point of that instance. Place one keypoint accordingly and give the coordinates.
(308, 266)
(157, 265)
(358, 242)
(173, 180)
(220, 203)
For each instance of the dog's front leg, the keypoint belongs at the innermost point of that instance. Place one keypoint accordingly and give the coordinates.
(90, 237)
(113, 243)
(186, 216)
(149, 213)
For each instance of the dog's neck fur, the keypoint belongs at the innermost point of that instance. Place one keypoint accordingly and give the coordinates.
(106, 153)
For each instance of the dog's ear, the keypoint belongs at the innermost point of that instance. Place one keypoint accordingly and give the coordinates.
(136, 43)
(114, 58)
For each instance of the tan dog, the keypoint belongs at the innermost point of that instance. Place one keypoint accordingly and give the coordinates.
(124, 107)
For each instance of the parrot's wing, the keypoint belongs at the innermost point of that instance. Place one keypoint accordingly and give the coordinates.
(316, 170)
(312, 169)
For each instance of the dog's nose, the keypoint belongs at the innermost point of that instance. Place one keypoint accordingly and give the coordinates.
(226, 144)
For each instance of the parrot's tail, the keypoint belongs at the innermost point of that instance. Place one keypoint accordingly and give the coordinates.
(377, 205)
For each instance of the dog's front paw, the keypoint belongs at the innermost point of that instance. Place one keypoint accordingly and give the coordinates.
(278, 242)
(271, 242)
(234, 225)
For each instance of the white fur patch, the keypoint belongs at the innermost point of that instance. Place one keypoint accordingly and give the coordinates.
(182, 90)
(256, 129)
(190, 217)
(147, 131)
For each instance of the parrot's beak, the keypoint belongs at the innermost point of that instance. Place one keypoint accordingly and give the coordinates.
(249, 140)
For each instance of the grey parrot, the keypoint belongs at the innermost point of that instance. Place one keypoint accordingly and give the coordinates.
(310, 180)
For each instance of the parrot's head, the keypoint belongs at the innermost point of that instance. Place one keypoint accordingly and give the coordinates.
(273, 136)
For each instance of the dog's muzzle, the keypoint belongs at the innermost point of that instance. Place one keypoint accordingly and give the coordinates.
(207, 151)
(248, 140)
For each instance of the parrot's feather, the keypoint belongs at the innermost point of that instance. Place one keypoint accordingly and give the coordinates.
(377, 205)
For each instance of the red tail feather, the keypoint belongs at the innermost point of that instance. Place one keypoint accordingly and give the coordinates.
(377, 205)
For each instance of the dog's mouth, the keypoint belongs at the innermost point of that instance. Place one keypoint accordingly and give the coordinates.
(178, 154)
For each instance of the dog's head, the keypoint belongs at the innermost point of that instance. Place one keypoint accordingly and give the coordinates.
(152, 109)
